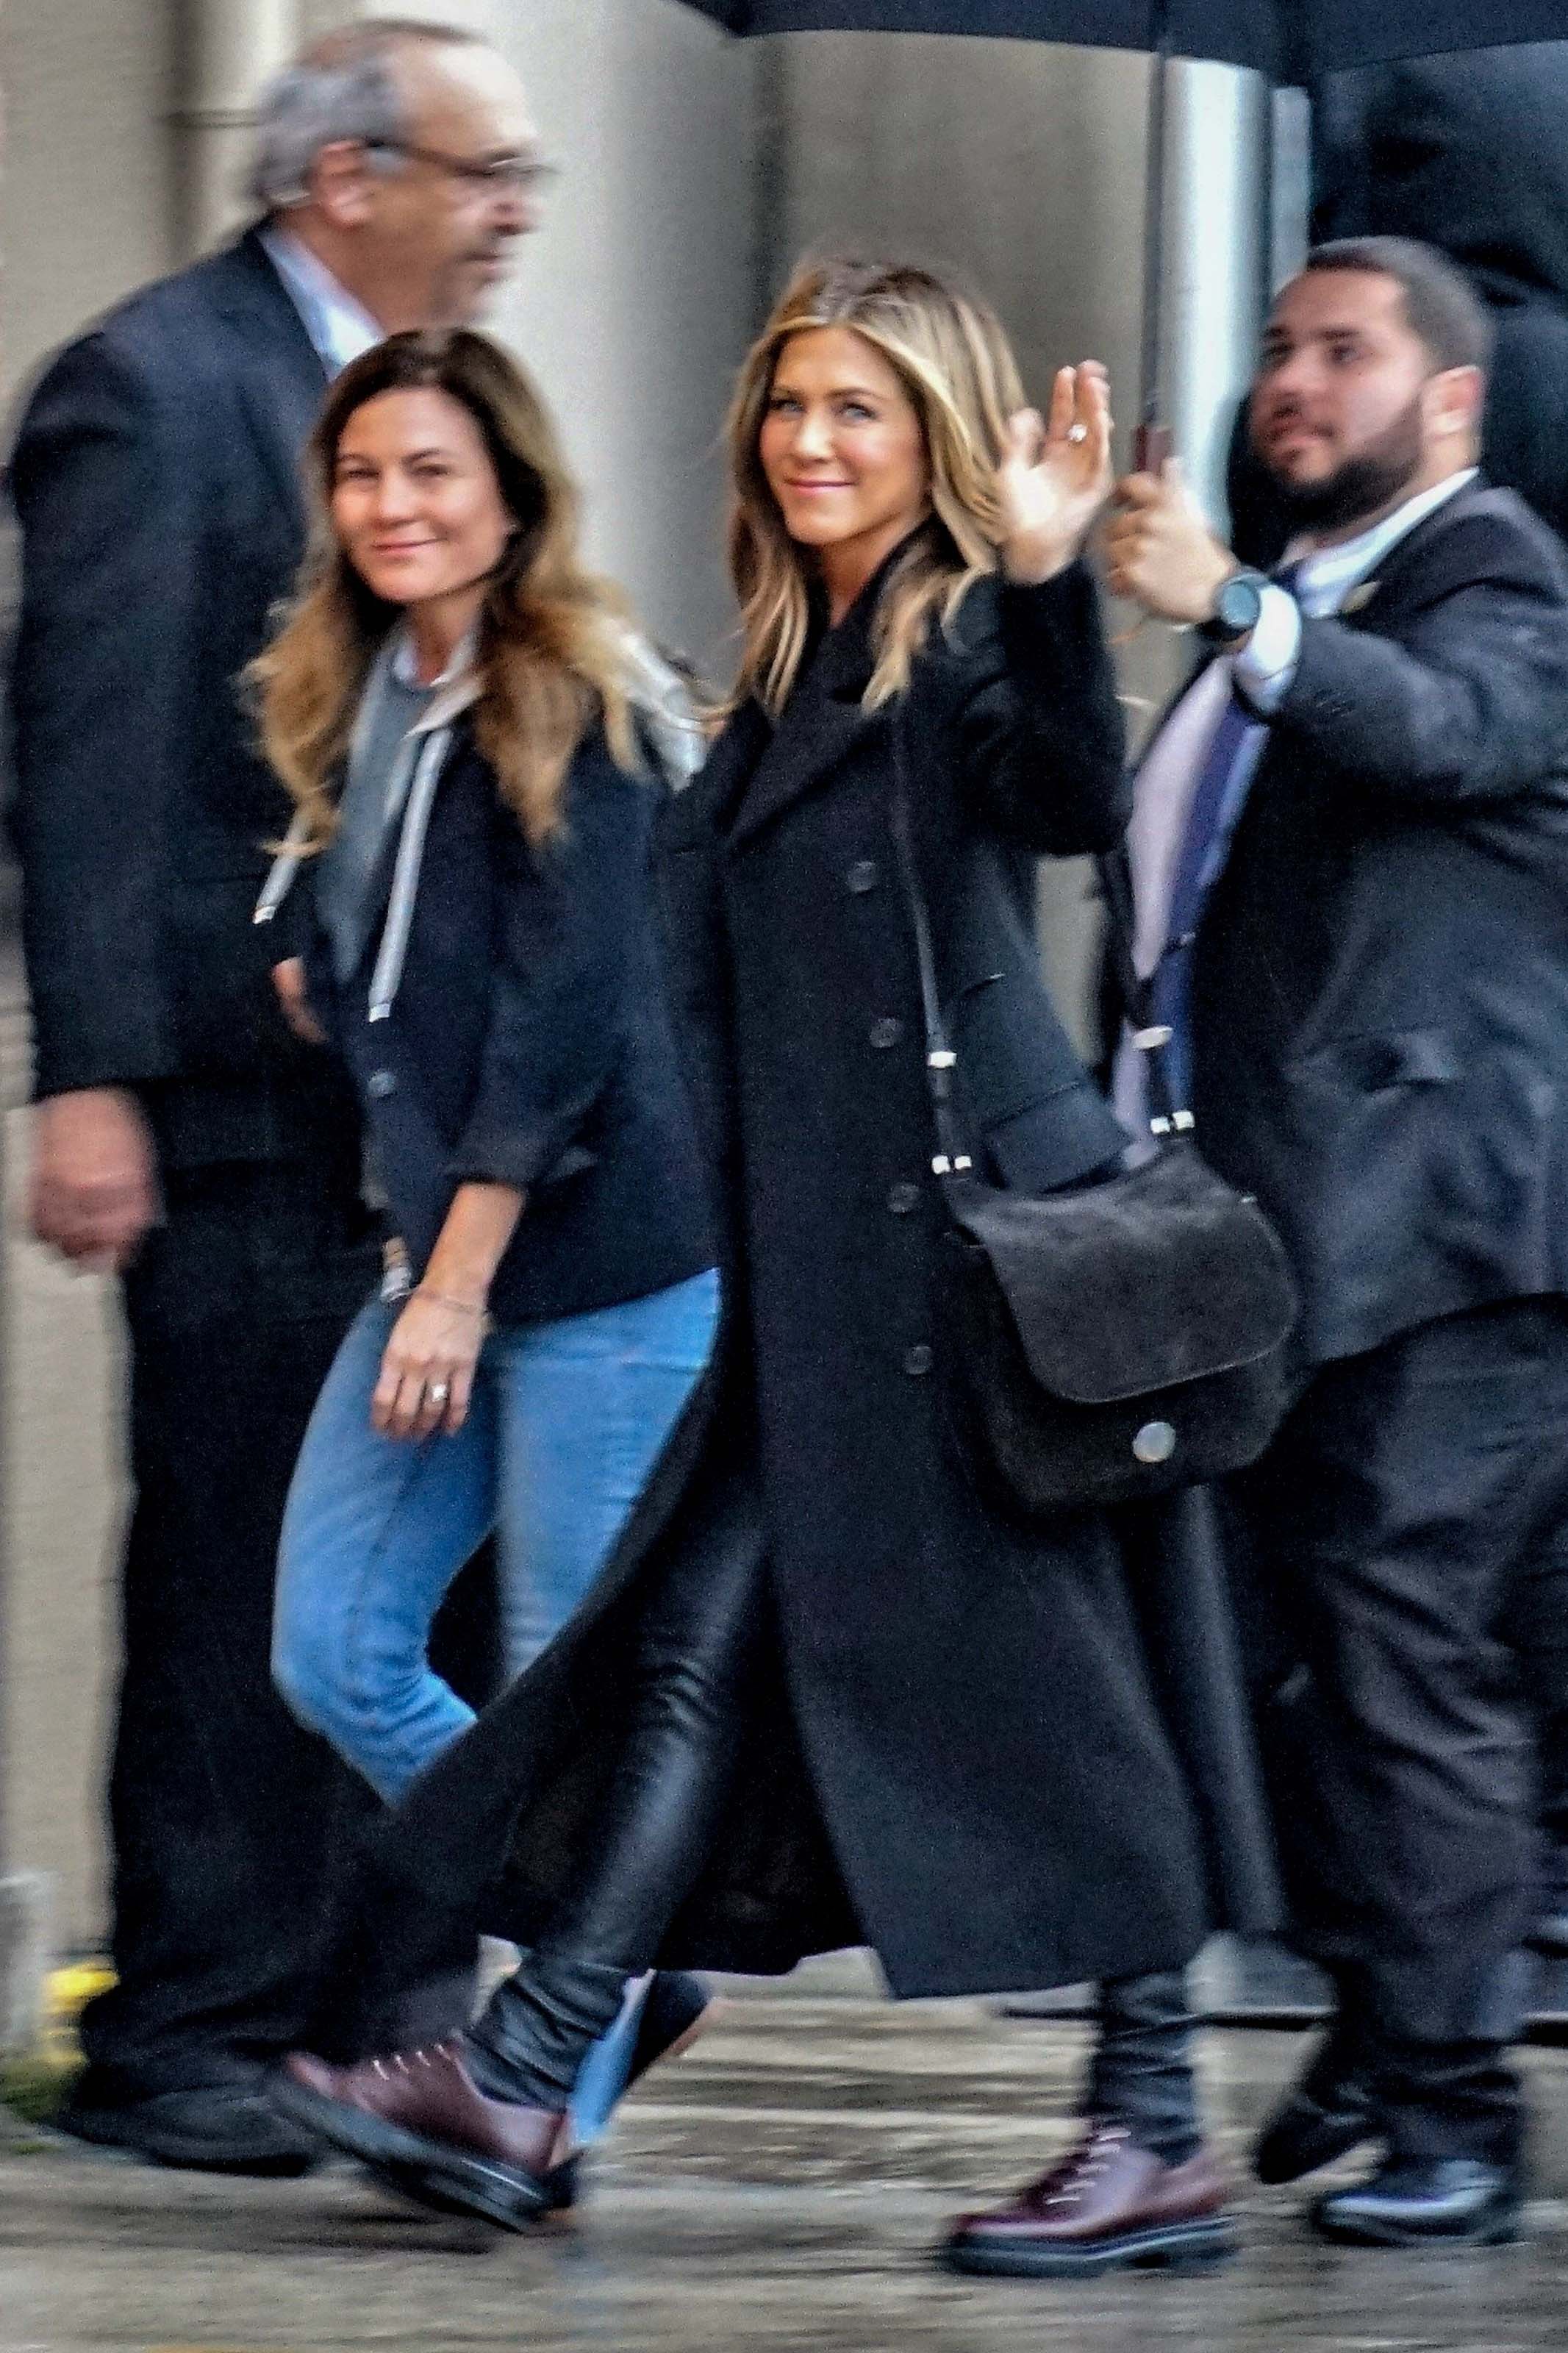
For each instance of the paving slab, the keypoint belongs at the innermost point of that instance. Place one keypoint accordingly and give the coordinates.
(777, 2190)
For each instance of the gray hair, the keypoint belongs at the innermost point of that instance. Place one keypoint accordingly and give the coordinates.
(345, 87)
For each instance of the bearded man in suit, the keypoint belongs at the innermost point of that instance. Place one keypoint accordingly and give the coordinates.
(183, 1138)
(1350, 860)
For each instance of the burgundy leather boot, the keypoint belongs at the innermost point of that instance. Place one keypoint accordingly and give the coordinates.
(677, 2008)
(1108, 2204)
(420, 2116)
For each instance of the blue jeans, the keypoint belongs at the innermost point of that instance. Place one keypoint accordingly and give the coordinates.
(566, 1423)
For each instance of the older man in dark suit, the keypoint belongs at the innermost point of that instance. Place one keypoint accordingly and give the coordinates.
(184, 1138)
(1350, 852)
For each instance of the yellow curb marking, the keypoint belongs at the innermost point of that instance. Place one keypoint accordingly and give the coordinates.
(69, 1989)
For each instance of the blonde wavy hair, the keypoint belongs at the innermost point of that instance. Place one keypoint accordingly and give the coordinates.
(550, 657)
(953, 359)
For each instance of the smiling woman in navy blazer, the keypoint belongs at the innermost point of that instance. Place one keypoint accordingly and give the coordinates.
(463, 718)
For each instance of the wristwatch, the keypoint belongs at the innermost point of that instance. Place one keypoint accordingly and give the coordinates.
(1237, 609)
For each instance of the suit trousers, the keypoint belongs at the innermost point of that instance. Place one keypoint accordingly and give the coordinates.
(1402, 1571)
(221, 1809)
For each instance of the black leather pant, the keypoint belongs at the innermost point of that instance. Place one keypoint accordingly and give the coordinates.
(696, 1646)
(1141, 2074)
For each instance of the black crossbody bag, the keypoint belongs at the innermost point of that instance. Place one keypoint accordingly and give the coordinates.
(1109, 1342)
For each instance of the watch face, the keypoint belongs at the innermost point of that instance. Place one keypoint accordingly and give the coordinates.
(1238, 605)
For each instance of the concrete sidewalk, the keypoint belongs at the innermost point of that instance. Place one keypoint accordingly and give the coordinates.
(775, 2190)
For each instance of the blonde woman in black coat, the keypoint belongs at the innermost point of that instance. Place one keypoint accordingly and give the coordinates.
(825, 1693)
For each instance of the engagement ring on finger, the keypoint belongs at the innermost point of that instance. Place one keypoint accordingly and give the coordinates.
(1078, 433)
(440, 1392)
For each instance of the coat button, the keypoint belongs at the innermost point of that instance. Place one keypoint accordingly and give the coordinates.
(904, 1199)
(886, 1032)
(863, 877)
(918, 1361)
(380, 1083)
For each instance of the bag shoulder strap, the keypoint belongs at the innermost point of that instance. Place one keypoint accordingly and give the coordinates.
(1148, 1034)
(1137, 995)
(951, 1159)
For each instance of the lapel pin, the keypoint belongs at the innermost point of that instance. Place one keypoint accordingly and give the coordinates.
(1360, 599)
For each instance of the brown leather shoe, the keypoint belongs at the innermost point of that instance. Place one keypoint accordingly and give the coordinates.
(1107, 2204)
(419, 2116)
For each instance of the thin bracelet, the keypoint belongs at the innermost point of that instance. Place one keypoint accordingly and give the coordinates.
(445, 1299)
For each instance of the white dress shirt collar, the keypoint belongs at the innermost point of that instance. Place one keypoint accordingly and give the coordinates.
(1327, 574)
(339, 327)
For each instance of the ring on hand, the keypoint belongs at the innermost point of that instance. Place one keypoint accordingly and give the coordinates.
(1078, 433)
(440, 1392)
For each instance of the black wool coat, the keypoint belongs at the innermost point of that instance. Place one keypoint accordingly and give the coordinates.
(1002, 1756)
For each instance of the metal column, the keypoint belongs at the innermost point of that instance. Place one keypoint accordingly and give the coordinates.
(234, 46)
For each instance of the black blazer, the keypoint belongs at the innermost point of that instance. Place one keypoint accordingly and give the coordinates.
(155, 476)
(1380, 977)
(529, 1042)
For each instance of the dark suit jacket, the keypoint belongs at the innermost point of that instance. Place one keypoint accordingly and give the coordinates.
(1381, 979)
(156, 480)
(529, 1043)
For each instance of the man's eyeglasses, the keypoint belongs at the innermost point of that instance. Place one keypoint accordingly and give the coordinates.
(510, 175)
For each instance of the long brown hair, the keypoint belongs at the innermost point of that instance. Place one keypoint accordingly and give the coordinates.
(954, 362)
(548, 657)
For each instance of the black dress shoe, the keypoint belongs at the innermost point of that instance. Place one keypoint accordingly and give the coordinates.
(220, 2129)
(1327, 2116)
(1417, 2201)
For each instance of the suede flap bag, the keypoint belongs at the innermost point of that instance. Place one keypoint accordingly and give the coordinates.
(1114, 1340)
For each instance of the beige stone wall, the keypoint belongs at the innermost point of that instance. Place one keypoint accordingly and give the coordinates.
(86, 202)
(631, 306)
